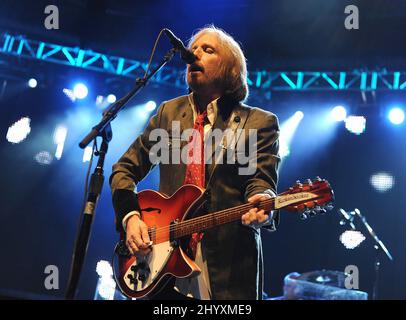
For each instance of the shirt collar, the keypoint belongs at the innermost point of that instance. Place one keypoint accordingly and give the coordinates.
(211, 109)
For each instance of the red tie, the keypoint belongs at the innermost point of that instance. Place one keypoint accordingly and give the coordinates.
(195, 169)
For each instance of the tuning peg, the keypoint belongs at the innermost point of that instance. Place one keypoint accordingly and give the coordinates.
(323, 211)
(317, 179)
(329, 206)
(308, 182)
(304, 216)
(312, 213)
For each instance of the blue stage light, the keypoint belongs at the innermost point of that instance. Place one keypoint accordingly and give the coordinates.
(299, 115)
(150, 105)
(43, 158)
(59, 139)
(287, 131)
(396, 116)
(32, 83)
(355, 124)
(382, 181)
(339, 113)
(19, 130)
(80, 91)
(111, 98)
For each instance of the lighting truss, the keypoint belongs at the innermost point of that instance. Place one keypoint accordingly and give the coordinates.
(361, 80)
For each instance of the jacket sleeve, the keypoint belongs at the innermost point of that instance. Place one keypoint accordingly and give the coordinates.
(265, 178)
(130, 169)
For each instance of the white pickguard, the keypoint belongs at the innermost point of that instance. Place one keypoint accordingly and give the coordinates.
(156, 260)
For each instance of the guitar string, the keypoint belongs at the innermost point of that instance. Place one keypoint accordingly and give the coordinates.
(206, 218)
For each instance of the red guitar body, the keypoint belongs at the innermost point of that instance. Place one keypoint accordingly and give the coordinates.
(147, 276)
(172, 220)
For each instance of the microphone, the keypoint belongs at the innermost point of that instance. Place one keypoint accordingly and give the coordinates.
(185, 54)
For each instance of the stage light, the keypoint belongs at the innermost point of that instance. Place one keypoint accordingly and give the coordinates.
(299, 115)
(60, 134)
(150, 106)
(19, 130)
(396, 116)
(284, 150)
(104, 269)
(69, 93)
(80, 91)
(43, 157)
(99, 100)
(351, 238)
(287, 131)
(382, 181)
(106, 286)
(355, 124)
(32, 83)
(111, 98)
(87, 154)
(59, 139)
(339, 113)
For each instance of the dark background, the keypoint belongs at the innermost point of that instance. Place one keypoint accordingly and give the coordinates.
(40, 204)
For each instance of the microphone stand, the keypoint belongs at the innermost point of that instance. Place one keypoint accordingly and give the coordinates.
(379, 247)
(102, 129)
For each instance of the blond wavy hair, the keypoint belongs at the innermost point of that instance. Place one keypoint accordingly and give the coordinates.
(233, 70)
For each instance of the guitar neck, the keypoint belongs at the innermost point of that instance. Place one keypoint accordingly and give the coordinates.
(218, 218)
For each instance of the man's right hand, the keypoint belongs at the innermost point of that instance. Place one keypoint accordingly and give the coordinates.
(138, 242)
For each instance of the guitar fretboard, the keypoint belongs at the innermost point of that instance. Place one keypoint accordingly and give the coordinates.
(211, 220)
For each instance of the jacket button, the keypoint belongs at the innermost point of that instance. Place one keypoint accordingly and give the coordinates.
(237, 119)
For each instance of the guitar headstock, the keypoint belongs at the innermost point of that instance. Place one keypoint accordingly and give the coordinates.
(309, 198)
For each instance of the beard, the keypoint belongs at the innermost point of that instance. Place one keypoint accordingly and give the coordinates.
(203, 84)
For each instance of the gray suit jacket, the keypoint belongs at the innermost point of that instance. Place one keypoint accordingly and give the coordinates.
(233, 251)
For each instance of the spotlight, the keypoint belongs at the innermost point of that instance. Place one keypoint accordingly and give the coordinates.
(43, 158)
(60, 134)
(59, 139)
(104, 269)
(32, 83)
(355, 124)
(106, 286)
(111, 98)
(299, 115)
(87, 154)
(69, 93)
(150, 106)
(80, 91)
(396, 116)
(351, 238)
(339, 113)
(287, 131)
(382, 181)
(19, 130)
(99, 100)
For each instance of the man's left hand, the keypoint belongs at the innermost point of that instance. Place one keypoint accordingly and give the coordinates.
(256, 217)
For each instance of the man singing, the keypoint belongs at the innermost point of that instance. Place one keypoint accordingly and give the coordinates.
(230, 256)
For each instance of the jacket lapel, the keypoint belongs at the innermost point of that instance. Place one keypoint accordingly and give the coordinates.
(231, 117)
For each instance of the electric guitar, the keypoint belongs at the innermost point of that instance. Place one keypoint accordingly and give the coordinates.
(171, 221)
